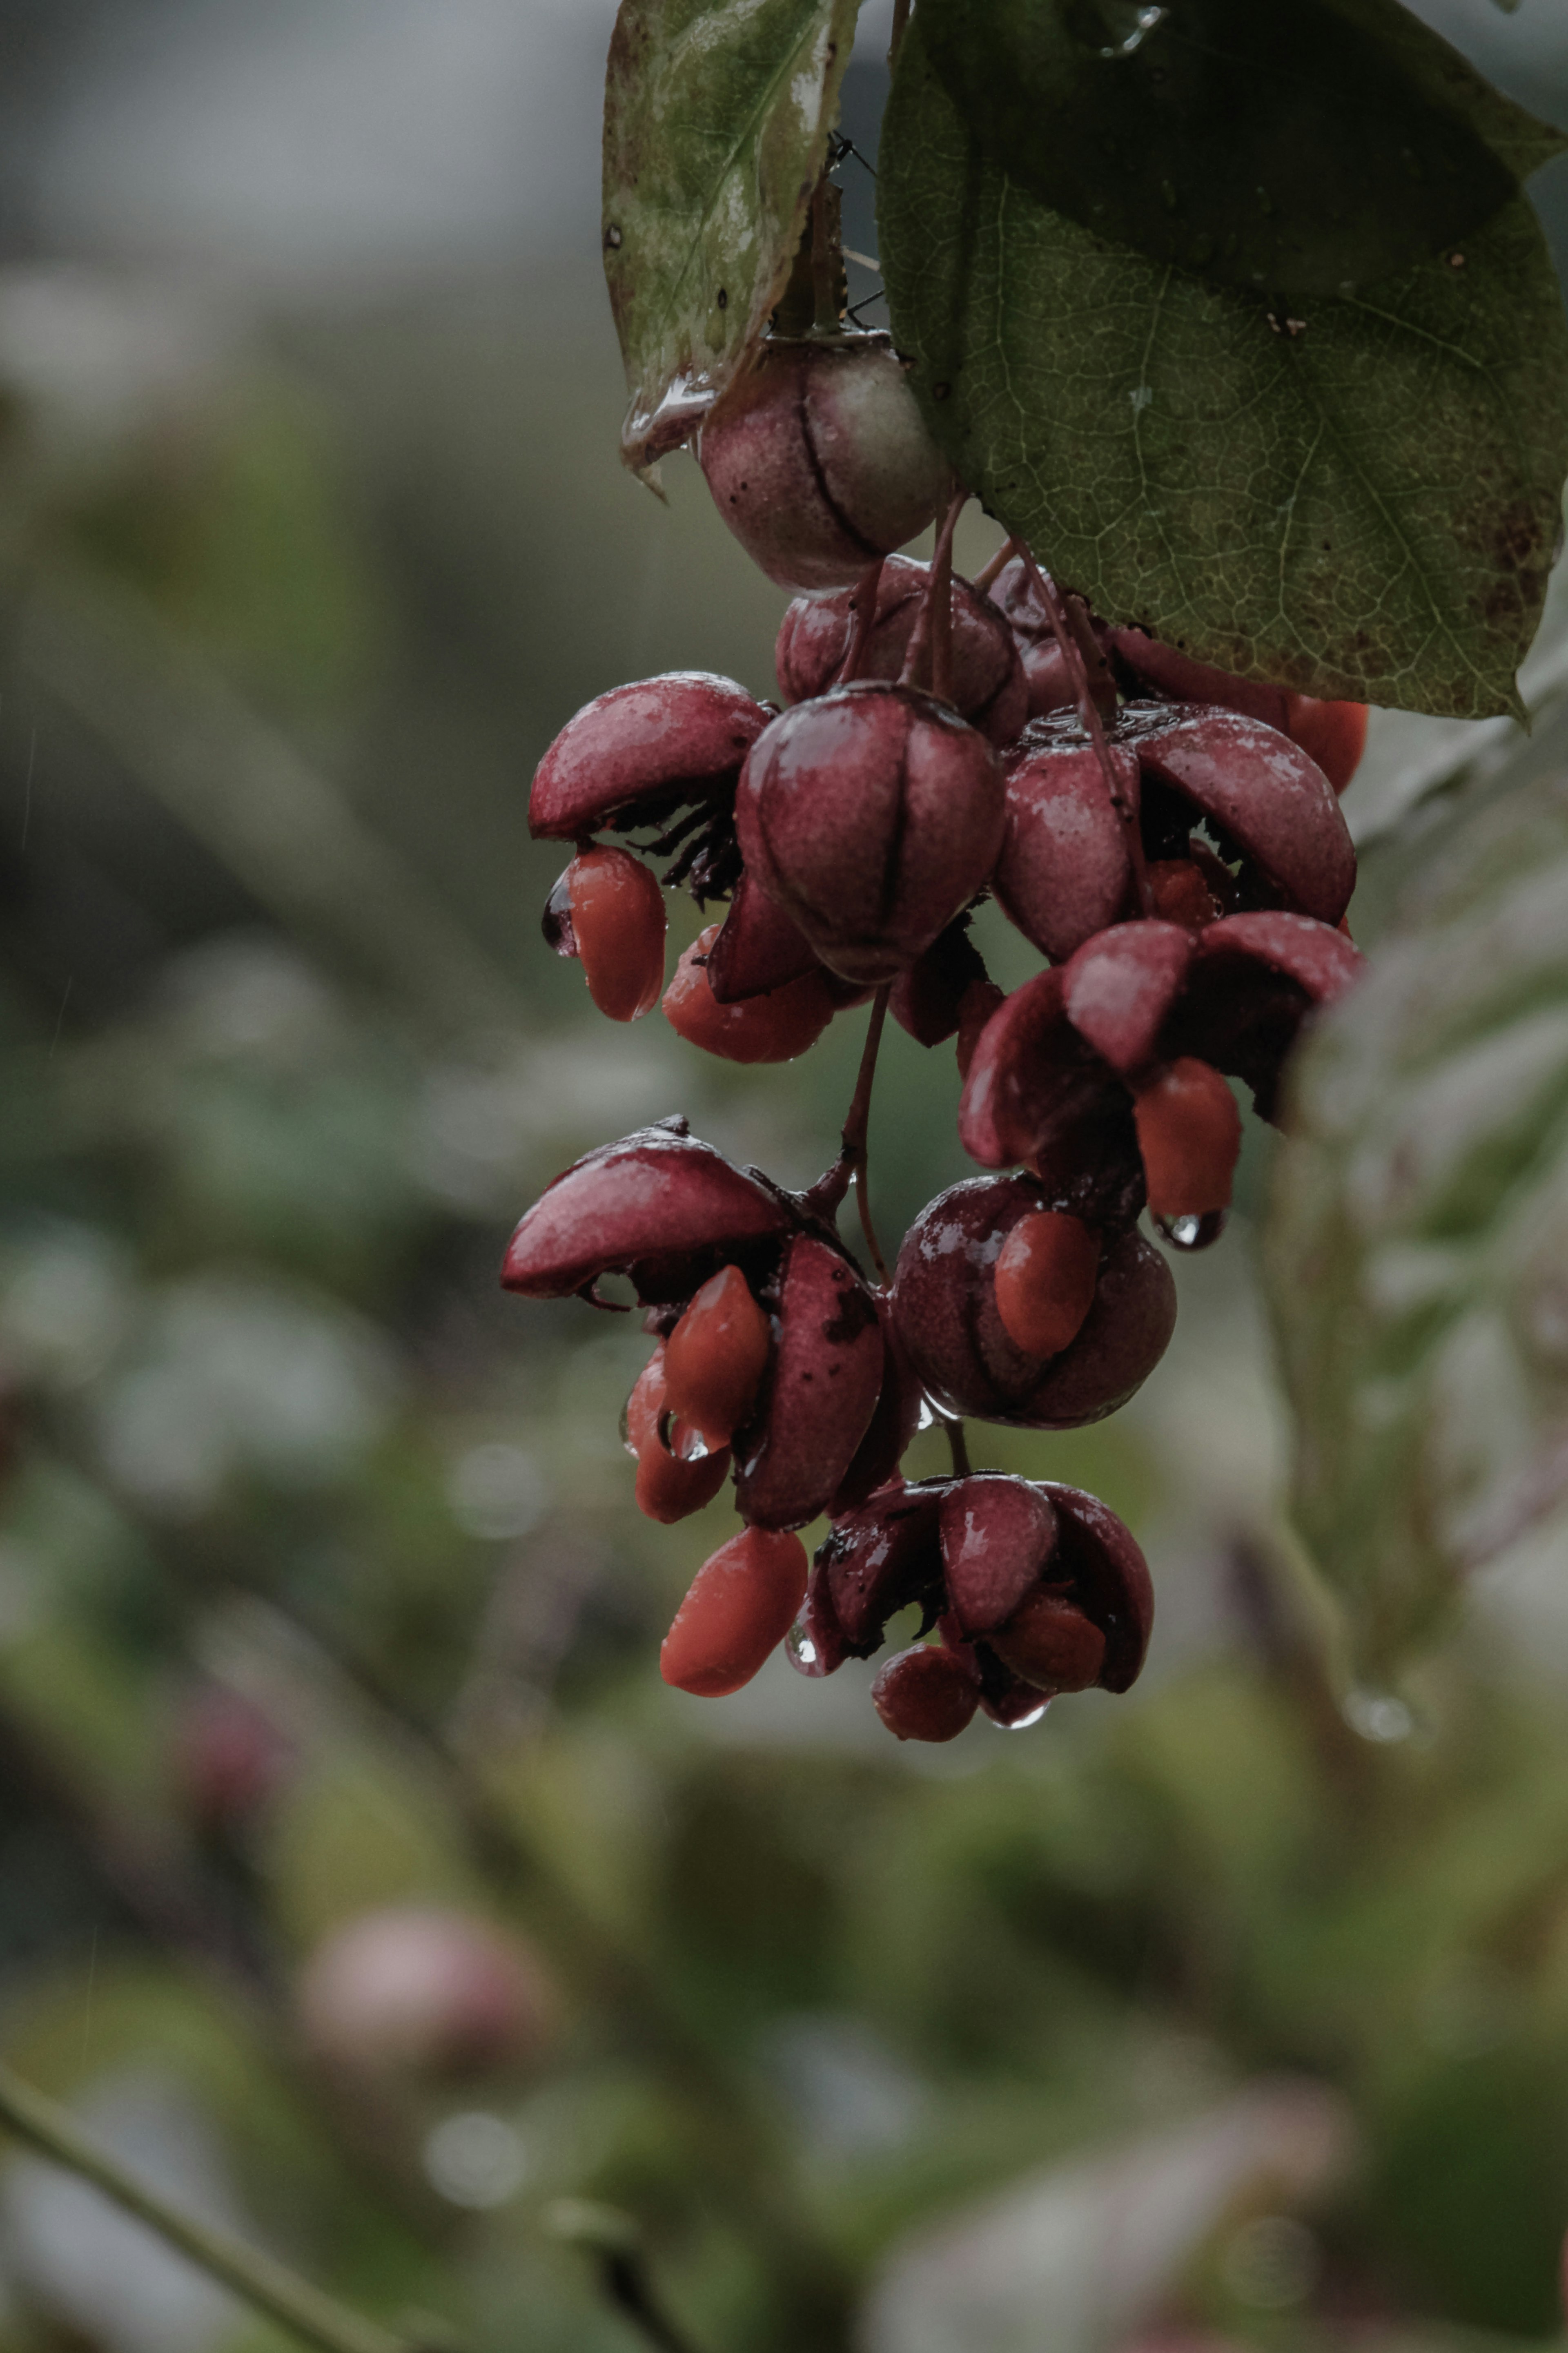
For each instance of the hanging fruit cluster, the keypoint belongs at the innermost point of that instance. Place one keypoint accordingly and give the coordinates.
(1167, 836)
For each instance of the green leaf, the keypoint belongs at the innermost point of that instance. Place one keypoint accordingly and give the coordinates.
(1301, 148)
(1416, 1249)
(1361, 499)
(717, 115)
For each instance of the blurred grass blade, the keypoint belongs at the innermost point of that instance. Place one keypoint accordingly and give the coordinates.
(263, 2283)
(238, 785)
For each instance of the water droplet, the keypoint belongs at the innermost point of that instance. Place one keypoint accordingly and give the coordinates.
(1022, 1723)
(1378, 1716)
(1193, 1233)
(802, 1652)
(1128, 24)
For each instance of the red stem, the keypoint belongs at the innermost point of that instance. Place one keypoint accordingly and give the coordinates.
(985, 579)
(927, 663)
(863, 609)
(1093, 727)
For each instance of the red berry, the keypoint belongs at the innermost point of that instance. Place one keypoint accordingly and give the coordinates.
(872, 816)
(715, 1358)
(946, 1316)
(1181, 894)
(640, 1417)
(818, 459)
(1333, 733)
(743, 1602)
(988, 685)
(669, 1487)
(1189, 1133)
(607, 910)
(771, 1028)
(1045, 1274)
(1051, 1644)
(926, 1694)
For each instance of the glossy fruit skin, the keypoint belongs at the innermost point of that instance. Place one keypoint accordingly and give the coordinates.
(716, 1357)
(417, 1990)
(1045, 1275)
(925, 1694)
(944, 1308)
(774, 1028)
(1014, 1573)
(757, 947)
(1334, 734)
(1052, 1077)
(1189, 1134)
(638, 753)
(742, 1604)
(659, 1205)
(1050, 1644)
(825, 1379)
(675, 1478)
(997, 1536)
(607, 910)
(1063, 872)
(989, 689)
(928, 1000)
(818, 459)
(872, 816)
(1050, 682)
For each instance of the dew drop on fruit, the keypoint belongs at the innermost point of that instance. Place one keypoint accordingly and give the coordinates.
(1022, 1723)
(801, 1647)
(1194, 1233)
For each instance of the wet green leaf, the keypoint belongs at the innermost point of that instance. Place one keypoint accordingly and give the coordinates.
(717, 114)
(1360, 498)
(1417, 1242)
(1298, 149)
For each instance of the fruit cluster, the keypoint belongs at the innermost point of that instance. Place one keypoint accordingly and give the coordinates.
(1167, 836)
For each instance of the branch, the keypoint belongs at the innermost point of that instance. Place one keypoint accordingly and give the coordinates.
(267, 2286)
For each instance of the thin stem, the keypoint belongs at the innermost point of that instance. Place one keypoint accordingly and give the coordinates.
(958, 1446)
(853, 1153)
(900, 22)
(1093, 726)
(989, 573)
(259, 2280)
(927, 660)
(863, 610)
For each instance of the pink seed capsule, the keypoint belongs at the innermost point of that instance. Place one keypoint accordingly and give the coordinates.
(771, 1028)
(1189, 1133)
(1046, 1274)
(819, 461)
(715, 1358)
(925, 1694)
(988, 684)
(871, 816)
(742, 1604)
(607, 910)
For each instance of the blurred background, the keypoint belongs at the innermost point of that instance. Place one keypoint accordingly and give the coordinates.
(360, 1880)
